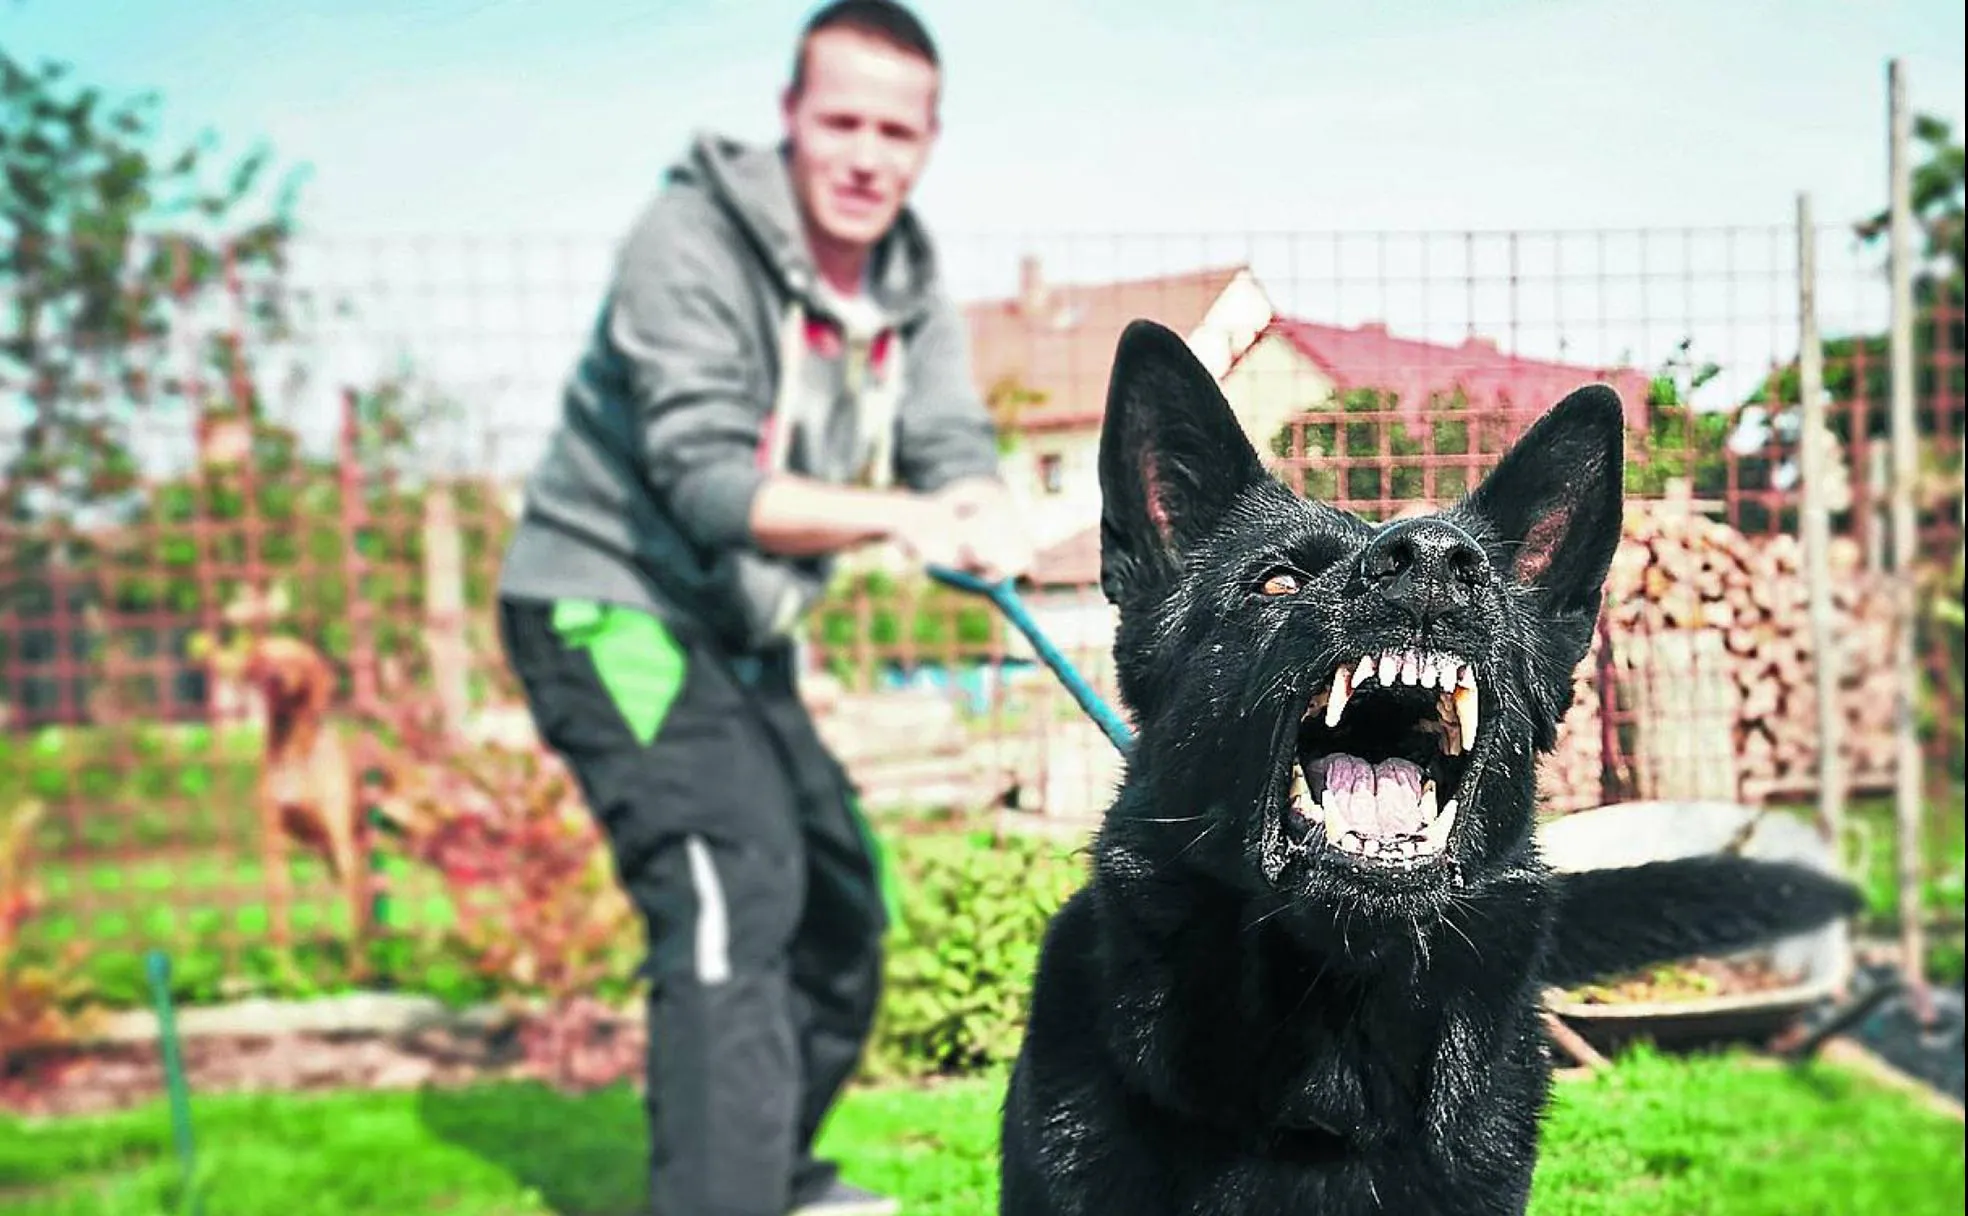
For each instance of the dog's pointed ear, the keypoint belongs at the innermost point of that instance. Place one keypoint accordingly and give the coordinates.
(1172, 460)
(1552, 507)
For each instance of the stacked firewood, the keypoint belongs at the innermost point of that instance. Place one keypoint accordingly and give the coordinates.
(1570, 778)
(1740, 608)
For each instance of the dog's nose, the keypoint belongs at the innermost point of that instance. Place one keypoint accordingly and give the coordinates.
(1424, 567)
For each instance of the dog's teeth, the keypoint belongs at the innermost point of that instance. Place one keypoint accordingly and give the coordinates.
(1410, 668)
(1330, 814)
(1363, 672)
(1467, 676)
(1428, 670)
(1436, 834)
(1342, 688)
(1301, 792)
(1446, 673)
(1426, 805)
(1390, 668)
(1466, 714)
(1371, 847)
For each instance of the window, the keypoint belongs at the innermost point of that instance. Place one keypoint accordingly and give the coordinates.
(1052, 472)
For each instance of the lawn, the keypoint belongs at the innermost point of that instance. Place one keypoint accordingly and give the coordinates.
(1713, 1136)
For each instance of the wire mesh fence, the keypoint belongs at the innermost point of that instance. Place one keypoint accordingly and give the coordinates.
(256, 507)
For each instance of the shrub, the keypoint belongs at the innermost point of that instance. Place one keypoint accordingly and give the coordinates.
(960, 962)
(35, 995)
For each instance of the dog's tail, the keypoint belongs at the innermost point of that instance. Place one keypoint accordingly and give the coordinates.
(1613, 921)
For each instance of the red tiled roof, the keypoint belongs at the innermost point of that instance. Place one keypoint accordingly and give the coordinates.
(1416, 371)
(1061, 341)
(1072, 562)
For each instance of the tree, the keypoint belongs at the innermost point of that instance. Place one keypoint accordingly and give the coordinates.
(1681, 442)
(1935, 195)
(1006, 400)
(111, 245)
(1857, 371)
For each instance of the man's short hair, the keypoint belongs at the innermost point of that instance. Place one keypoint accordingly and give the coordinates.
(883, 20)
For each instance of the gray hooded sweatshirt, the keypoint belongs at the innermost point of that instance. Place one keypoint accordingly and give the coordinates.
(719, 358)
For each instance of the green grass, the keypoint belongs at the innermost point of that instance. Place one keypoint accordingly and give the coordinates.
(1655, 1137)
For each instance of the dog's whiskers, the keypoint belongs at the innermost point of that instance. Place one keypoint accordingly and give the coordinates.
(1267, 916)
(1194, 841)
(1448, 918)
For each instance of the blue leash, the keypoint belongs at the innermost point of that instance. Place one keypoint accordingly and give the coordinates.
(1005, 597)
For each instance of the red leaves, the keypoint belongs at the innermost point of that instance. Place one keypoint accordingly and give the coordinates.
(531, 881)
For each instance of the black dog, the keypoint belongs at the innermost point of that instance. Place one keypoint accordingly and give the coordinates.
(1304, 975)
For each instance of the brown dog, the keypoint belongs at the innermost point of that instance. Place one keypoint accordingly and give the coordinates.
(307, 788)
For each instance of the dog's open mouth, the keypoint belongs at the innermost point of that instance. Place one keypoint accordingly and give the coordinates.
(1382, 753)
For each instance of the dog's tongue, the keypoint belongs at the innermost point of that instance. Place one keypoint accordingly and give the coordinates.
(1375, 799)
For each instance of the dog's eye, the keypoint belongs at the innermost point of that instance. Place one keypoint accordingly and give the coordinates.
(1280, 582)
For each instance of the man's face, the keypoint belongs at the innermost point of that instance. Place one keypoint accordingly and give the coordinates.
(860, 130)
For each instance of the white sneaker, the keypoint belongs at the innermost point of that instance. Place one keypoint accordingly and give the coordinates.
(840, 1199)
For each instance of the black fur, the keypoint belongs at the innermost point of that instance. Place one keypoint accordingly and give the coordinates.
(1231, 1017)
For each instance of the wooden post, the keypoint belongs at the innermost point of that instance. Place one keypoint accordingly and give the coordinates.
(444, 605)
(1816, 526)
(1908, 794)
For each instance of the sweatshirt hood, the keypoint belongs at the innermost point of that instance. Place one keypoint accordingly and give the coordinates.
(753, 186)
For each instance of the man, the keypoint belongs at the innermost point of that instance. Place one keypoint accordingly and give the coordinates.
(776, 376)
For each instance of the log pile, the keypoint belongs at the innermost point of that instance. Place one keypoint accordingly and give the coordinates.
(1570, 778)
(1741, 608)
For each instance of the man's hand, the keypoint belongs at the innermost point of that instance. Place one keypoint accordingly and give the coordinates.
(994, 541)
(930, 531)
(969, 525)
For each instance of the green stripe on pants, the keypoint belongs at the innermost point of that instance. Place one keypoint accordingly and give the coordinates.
(638, 661)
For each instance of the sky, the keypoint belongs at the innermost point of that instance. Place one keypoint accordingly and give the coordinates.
(471, 163)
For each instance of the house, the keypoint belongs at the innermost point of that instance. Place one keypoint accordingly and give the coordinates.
(1043, 356)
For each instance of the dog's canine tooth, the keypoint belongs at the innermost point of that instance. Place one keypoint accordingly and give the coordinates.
(1301, 791)
(1427, 803)
(1466, 713)
(1437, 831)
(1390, 667)
(1342, 688)
(1466, 677)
